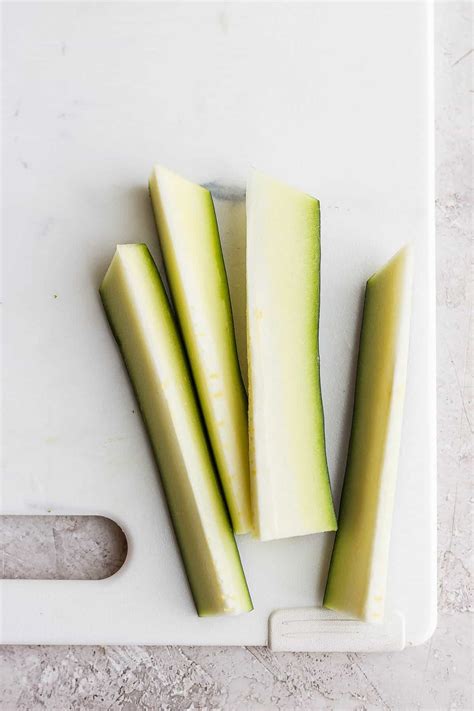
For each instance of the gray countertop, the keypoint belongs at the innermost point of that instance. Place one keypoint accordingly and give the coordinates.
(436, 675)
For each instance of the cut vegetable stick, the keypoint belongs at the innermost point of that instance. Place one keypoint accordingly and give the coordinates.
(358, 571)
(192, 254)
(141, 319)
(290, 487)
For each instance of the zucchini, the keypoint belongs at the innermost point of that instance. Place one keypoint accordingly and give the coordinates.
(358, 571)
(141, 319)
(189, 239)
(291, 494)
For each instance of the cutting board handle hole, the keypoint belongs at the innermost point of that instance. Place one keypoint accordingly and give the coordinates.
(60, 547)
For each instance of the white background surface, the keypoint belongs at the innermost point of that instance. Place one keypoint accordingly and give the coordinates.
(433, 676)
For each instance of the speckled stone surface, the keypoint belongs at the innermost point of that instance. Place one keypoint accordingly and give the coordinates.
(436, 675)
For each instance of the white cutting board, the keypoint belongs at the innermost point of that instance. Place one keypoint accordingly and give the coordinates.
(333, 98)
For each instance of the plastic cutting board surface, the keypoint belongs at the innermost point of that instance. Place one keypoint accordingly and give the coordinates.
(333, 98)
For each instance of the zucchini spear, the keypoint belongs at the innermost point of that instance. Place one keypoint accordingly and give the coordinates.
(189, 238)
(291, 494)
(358, 571)
(141, 319)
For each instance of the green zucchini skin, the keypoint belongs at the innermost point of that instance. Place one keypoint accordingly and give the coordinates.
(142, 322)
(191, 248)
(358, 571)
(291, 494)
